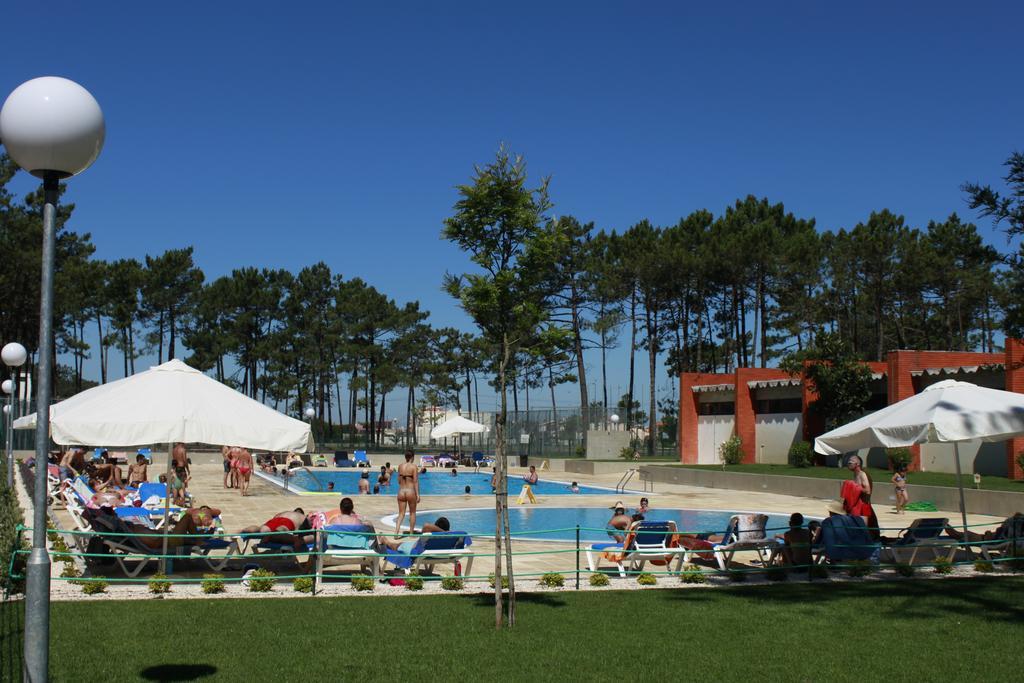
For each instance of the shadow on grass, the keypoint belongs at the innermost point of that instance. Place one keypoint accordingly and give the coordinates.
(177, 672)
(12, 620)
(921, 599)
(540, 599)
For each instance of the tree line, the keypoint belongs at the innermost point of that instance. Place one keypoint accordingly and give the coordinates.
(744, 287)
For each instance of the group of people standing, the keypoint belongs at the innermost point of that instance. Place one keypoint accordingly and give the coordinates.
(238, 465)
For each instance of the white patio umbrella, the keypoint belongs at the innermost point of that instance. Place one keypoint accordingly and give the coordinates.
(456, 425)
(945, 412)
(168, 403)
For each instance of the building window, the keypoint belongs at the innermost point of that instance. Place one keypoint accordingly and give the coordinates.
(768, 406)
(719, 408)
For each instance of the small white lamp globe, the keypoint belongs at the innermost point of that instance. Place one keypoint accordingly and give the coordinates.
(310, 413)
(7, 386)
(51, 125)
(14, 355)
(614, 417)
(7, 409)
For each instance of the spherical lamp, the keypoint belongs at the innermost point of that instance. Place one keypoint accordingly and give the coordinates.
(310, 413)
(52, 126)
(7, 386)
(14, 355)
(614, 418)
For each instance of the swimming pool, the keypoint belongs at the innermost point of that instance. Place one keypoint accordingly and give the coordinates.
(559, 523)
(440, 483)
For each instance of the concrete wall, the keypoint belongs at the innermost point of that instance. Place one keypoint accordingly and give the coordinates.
(602, 445)
(774, 434)
(995, 503)
(712, 432)
(975, 456)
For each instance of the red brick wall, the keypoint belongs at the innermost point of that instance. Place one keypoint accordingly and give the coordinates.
(1014, 382)
(745, 423)
(688, 410)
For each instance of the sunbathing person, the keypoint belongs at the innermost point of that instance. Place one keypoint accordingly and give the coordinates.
(72, 464)
(137, 472)
(405, 545)
(797, 551)
(1001, 533)
(186, 524)
(279, 528)
(619, 523)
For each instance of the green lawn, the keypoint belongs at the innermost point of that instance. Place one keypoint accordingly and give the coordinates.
(956, 629)
(879, 475)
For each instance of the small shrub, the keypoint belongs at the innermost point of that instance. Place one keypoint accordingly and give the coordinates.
(261, 581)
(552, 580)
(943, 567)
(859, 568)
(905, 570)
(801, 454)
(984, 566)
(504, 581)
(94, 587)
(776, 574)
(158, 584)
(819, 571)
(627, 453)
(212, 583)
(646, 579)
(1020, 460)
(362, 583)
(70, 571)
(303, 584)
(693, 574)
(413, 582)
(581, 452)
(731, 451)
(737, 576)
(598, 580)
(453, 583)
(898, 457)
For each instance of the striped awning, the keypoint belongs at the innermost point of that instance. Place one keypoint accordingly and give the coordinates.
(956, 369)
(707, 388)
(772, 383)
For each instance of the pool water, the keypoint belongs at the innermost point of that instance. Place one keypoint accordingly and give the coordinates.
(559, 524)
(440, 483)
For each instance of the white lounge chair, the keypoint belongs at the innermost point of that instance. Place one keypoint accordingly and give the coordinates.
(349, 544)
(747, 534)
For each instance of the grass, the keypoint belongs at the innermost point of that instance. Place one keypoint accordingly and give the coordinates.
(880, 476)
(782, 632)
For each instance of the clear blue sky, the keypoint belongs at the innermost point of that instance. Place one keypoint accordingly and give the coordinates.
(279, 134)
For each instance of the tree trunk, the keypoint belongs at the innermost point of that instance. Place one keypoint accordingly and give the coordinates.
(408, 414)
(170, 330)
(632, 358)
(503, 480)
(581, 370)
(652, 355)
(103, 349)
(604, 374)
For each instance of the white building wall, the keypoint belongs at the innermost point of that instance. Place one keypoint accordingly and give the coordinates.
(774, 434)
(712, 432)
(975, 456)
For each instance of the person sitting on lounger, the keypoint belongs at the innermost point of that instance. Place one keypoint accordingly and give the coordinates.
(279, 528)
(1001, 533)
(405, 545)
(619, 523)
(797, 550)
(137, 472)
(72, 464)
(105, 474)
(186, 524)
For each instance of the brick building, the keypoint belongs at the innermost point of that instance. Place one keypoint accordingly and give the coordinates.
(768, 409)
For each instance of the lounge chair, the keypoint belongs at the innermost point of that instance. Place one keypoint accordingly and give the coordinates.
(446, 460)
(846, 538)
(320, 460)
(361, 459)
(923, 535)
(440, 547)
(347, 544)
(748, 534)
(427, 461)
(1009, 532)
(645, 541)
(481, 460)
(341, 459)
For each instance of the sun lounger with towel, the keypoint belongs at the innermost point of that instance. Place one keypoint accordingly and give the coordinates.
(429, 550)
(343, 544)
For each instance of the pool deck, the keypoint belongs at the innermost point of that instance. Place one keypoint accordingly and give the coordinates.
(266, 499)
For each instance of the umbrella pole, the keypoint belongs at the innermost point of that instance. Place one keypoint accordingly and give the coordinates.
(960, 486)
(167, 507)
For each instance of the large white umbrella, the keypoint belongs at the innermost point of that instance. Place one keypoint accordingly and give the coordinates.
(456, 425)
(168, 403)
(945, 412)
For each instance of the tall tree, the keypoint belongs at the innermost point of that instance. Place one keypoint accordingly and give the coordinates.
(169, 292)
(501, 224)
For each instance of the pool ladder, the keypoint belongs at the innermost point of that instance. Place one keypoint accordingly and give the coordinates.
(628, 475)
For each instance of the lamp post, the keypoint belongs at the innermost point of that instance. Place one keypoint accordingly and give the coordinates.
(615, 420)
(310, 414)
(53, 128)
(14, 356)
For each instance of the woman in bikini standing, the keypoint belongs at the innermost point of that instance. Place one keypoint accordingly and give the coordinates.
(408, 491)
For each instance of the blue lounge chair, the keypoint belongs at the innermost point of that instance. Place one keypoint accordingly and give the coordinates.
(147, 454)
(441, 547)
(649, 540)
(361, 459)
(846, 538)
(343, 544)
(922, 534)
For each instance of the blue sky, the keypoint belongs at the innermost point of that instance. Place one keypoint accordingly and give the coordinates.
(279, 134)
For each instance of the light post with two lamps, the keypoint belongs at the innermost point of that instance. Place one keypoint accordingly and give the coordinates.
(310, 414)
(14, 356)
(53, 128)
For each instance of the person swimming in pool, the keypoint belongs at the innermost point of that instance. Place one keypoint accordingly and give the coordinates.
(364, 483)
(408, 491)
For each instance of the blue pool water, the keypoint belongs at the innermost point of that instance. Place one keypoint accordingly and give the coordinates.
(536, 523)
(440, 483)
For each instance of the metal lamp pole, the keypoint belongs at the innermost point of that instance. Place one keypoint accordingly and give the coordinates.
(53, 128)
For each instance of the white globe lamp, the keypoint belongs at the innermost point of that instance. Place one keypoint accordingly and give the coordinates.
(14, 355)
